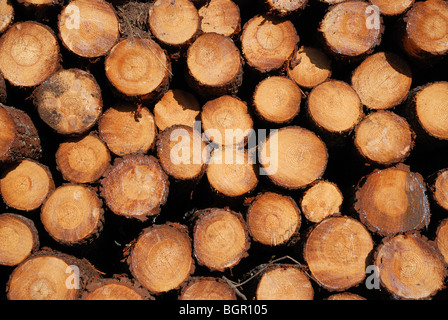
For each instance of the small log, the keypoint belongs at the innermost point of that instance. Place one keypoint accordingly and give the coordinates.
(181, 150)
(393, 200)
(135, 186)
(226, 121)
(231, 173)
(176, 107)
(26, 185)
(214, 65)
(345, 296)
(138, 69)
(19, 239)
(441, 239)
(346, 32)
(6, 14)
(284, 282)
(83, 33)
(336, 251)
(18, 136)
(382, 80)
(384, 138)
(126, 130)
(83, 160)
(29, 53)
(426, 32)
(277, 100)
(267, 43)
(221, 16)
(309, 66)
(293, 157)
(273, 219)
(334, 107)
(69, 101)
(207, 288)
(175, 24)
(220, 238)
(321, 200)
(411, 268)
(439, 189)
(392, 7)
(73, 215)
(117, 288)
(161, 258)
(284, 8)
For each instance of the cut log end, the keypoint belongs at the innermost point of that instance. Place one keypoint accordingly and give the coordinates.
(220, 238)
(336, 252)
(273, 219)
(285, 8)
(440, 189)
(392, 7)
(321, 200)
(25, 186)
(221, 16)
(346, 296)
(135, 186)
(393, 200)
(18, 239)
(6, 14)
(161, 259)
(117, 288)
(207, 288)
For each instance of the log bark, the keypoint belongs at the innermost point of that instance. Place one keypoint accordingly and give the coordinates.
(81, 31)
(126, 130)
(336, 252)
(207, 288)
(267, 43)
(321, 200)
(19, 239)
(18, 136)
(277, 100)
(29, 53)
(135, 186)
(411, 268)
(161, 258)
(273, 219)
(25, 185)
(69, 101)
(393, 200)
(221, 16)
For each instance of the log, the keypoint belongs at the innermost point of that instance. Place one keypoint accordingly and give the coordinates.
(345, 32)
(273, 219)
(118, 287)
(214, 66)
(392, 7)
(393, 200)
(82, 33)
(175, 24)
(382, 80)
(277, 100)
(29, 53)
(220, 238)
(82, 160)
(226, 121)
(345, 296)
(73, 215)
(18, 136)
(207, 288)
(334, 107)
(69, 101)
(220, 16)
(135, 187)
(321, 200)
(439, 189)
(441, 239)
(231, 173)
(6, 14)
(176, 107)
(181, 150)
(50, 275)
(138, 69)
(19, 239)
(268, 42)
(293, 157)
(126, 130)
(284, 8)
(161, 258)
(25, 185)
(426, 31)
(336, 252)
(309, 66)
(384, 138)
(284, 282)
(411, 268)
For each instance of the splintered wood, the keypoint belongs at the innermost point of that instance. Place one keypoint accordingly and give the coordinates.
(223, 150)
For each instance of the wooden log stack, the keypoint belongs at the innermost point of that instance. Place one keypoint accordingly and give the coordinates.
(223, 150)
